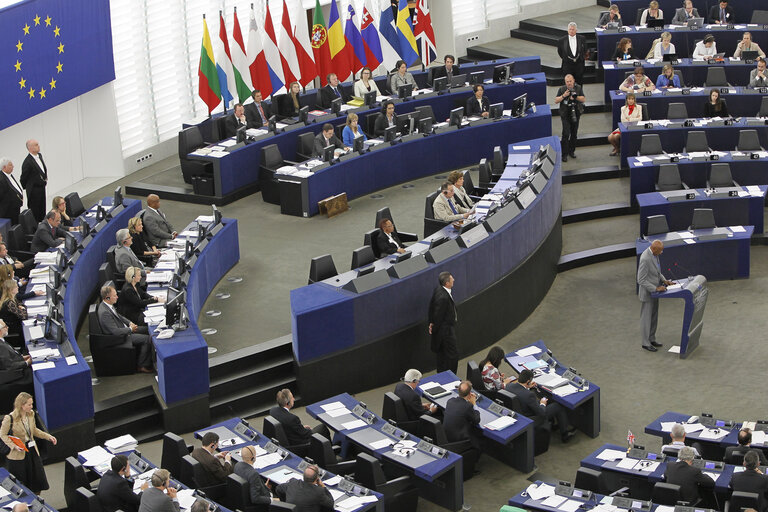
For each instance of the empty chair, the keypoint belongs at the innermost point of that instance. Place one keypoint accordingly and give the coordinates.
(394, 410)
(306, 146)
(174, 448)
(75, 206)
(190, 139)
(271, 160)
(74, 477)
(28, 222)
(498, 160)
(742, 500)
(716, 77)
(657, 224)
(696, 141)
(370, 239)
(322, 452)
(321, 268)
(703, 218)
(362, 256)
(273, 429)
(736, 457)
(433, 428)
(18, 245)
(85, 501)
(759, 17)
(669, 178)
(748, 141)
(680, 77)
(763, 107)
(665, 494)
(431, 224)
(644, 111)
(485, 174)
(638, 16)
(399, 493)
(720, 176)
(650, 144)
(425, 111)
(677, 111)
(589, 480)
(469, 187)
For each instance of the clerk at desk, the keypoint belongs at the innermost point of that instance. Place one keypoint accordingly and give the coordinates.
(327, 138)
(48, 234)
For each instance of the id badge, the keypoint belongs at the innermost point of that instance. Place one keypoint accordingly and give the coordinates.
(31, 444)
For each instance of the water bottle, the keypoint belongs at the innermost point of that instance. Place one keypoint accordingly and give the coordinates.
(533, 107)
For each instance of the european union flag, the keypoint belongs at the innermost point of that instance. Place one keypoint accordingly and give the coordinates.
(50, 52)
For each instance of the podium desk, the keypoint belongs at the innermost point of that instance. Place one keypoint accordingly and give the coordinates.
(714, 448)
(439, 479)
(694, 73)
(742, 101)
(673, 138)
(236, 433)
(693, 291)
(583, 406)
(694, 169)
(682, 37)
(744, 209)
(512, 445)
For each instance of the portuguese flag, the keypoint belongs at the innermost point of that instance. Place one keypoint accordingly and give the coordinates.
(320, 45)
(210, 91)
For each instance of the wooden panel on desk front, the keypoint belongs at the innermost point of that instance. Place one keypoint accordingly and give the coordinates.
(333, 205)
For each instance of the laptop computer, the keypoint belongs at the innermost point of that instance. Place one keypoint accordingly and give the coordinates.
(695, 23)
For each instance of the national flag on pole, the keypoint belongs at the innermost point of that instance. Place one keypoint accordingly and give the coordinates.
(272, 53)
(257, 67)
(320, 45)
(370, 37)
(208, 90)
(340, 52)
(353, 37)
(224, 64)
(303, 48)
(240, 62)
(408, 50)
(291, 70)
(390, 45)
(425, 36)
(630, 438)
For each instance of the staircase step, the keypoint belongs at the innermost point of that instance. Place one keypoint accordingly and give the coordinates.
(112, 408)
(600, 211)
(590, 107)
(593, 139)
(534, 36)
(591, 174)
(250, 357)
(597, 255)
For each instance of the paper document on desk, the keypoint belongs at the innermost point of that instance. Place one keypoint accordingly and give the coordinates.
(664, 508)
(738, 229)
(71, 360)
(42, 310)
(713, 433)
(35, 302)
(353, 424)
(754, 190)
(283, 475)
(609, 454)
(267, 460)
(521, 148)
(644, 159)
(159, 277)
(43, 366)
(381, 443)
(565, 390)
(186, 498)
(335, 494)
(95, 456)
(228, 143)
(528, 351)
(335, 480)
(335, 413)
(627, 463)
(713, 476)
(121, 444)
(553, 501)
(36, 332)
(333, 405)
(550, 380)
(500, 423)
(12, 504)
(540, 492)
(41, 353)
(758, 436)
(647, 466)
(666, 426)
(569, 506)
(692, 427)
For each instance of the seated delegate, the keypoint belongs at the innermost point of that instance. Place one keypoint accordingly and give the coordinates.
(156, 226)
(388, 242)
(456, 178)
(477, 105)
(49, 234)
(406, 391)
(630, 113)
(401, 76)
(331, 91)
(325, 138)
(257, 491)
(385, 119)
(460, 417)
(758, 77)
(113, 323)
(747, 45)
(744, 438)
(16, 368)
(116, 487)
(624, 50)
(308, 494)
(366, 84)
(493, 379)
(294, 430)
(216, 465)
(689, 478)
(612, 16)
(445, 208)
(60, 205)
(715, 105)
(140, 247)
(352, 130)
(161, 496)
(705, 48)
(721, 14)
(288, 104)
(668, 79)
(448, 69)
(133, 299)
(752, 479)
(124, 256)
(12, 310)
(664, 47)
(651, 13)
(685, 13)
(538, 409)
(258, 112)
(637, 82)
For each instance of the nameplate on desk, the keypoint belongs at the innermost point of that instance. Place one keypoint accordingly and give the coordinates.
(407, 267)
(443, 252)
(367, 282)
(347, 156)
(501, 217)
(432, 449)
(473, 236)
(443, 129)
(686, 91)
(294, 126)
(680, 197)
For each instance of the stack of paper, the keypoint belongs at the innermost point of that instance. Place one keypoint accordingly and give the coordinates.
(186, 498)
(550, 380)
(267, 460)
(500, 423)
(758, 437)
(46, 258)
(692, 427)
(124, 443)
(565, 390)
(254, 132)
(43, 366)
(609, 454)
(42, 353)
(353, 424)
(627, 463)
(95, 456)
(159, 277)
(713, 476)
(283, 475)
(713, 433)
(354, 502)
(540, 492)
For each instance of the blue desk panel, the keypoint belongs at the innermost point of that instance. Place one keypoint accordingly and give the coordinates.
(28, 496)
(240, 167)
(327, 320)
(719, 445)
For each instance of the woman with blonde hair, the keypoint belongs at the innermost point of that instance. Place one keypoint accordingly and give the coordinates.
(289, 103)
(133, 300)
(140, 246)
(352, 131)
(25, 465)
(59, 204)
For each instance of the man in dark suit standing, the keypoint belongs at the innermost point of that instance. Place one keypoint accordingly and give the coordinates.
(48, 234)
(11, 197)
(112, 322)
(235, 121)
(689, 478)
(442, 324)
(217, 465)
(116, 490)
(308, 494)
(572, 50)
(34, 178)
(328, 138)
(332, 91)
(294, 430)
(538, 409)
(752, 479)
(721, 14)
(388, 242)
(448, 70)
(257, 113)
(406, 391)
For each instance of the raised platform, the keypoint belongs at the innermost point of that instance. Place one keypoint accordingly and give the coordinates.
(168, 184)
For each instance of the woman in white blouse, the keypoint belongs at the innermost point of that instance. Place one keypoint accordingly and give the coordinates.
(664, 47)
(651, 13)
(365, 84)
(705, 48)
(630, 113)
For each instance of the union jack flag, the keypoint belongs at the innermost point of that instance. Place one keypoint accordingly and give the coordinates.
(425, 36)
(630, 438)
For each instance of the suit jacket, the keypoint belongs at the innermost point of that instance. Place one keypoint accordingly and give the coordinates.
(360, 89)
(530, 405)
(132, 302)
(14, 368)
(754, 47)
(155, 500)
(20, 430)
(215, 470)
(327, 95)
(116, 493)
(442, 209)
(231, 125)
(156, 228)
(307, 497)
(10, 199)
(125, 257)
(139, 247)
(254, 117)
(681, 17)
(258, 491)
(688, 478)
(411, 401)
(474, 108)
(744, 449)
(754, 81)
(752, 481)
(31, 174)
(442, 316)
(320, 143)
(381, 124)
(294, 428)
(606, 18)
(565, 53)
(112, 323)
(459, 419)
(441, 71)
(714, 14)
(45, 239)
(649, 275)
(385, 246)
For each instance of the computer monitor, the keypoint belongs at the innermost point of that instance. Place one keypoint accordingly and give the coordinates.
(51, 294)
(425, 125)
(240, 134)
(503, 72)
(303, 114)
(390, 133)
(458, 80)
(174, 309)
(369, 98)
(519, 105)
(328, 153)
(496, 110)
(696, 23)
(402, 256)
(405, 91)
(54, 330)
(440, 84)
(201, 232)
(749, 55)
(85, 228)
(456, 117)
(358, 144)
(272, 122)
(70, 243)
(189, 249)
(117, 198)
(654, 22)
(669, 57)
(336, 105)
(216, 216)
(476, 77)
(404, 122)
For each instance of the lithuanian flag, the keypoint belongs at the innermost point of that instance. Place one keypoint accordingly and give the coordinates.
(210, 91)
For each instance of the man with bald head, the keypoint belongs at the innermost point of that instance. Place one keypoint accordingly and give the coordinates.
(11, 196)
(308, 494)
(156, 225)
(649, 280)
(34, 178)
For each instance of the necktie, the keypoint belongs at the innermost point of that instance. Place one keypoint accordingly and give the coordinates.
(722, 15)
(263, 116)
(53, 231)
(453, 208)
(337, 92)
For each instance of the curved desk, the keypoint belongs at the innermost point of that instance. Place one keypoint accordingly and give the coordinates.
(499, 281)
(743, 8)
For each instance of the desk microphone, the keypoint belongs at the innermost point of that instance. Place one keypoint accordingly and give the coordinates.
(674, 275)
(690, 274)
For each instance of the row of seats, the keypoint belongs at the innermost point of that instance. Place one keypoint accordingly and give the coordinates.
(669, 177)
(696, 141)
(679, 110)
(702, 218)
(20, 235)
(715, 77)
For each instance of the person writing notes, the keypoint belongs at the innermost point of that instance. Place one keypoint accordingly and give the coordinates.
(705, 48)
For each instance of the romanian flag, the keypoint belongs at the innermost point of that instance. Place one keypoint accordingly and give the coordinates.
(320, 46)
(409, 51)
(340, 51)
(209, 92)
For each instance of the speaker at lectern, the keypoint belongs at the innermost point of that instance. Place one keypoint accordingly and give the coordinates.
(693, 291)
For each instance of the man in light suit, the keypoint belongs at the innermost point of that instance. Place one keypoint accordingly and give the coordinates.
(156, 225)
(34, 178)
(444, 208)
(685, 13)
(649, 280)
(259, 494)
(114, 323)
(48, 234)
(572, 49)
(217, 465)
(124, 256)
(11, 197)
(442, 324)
